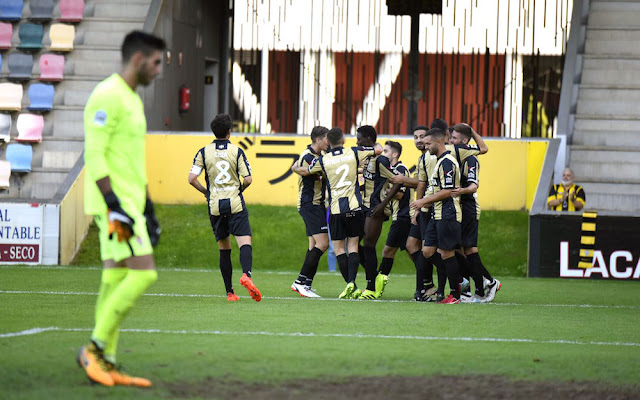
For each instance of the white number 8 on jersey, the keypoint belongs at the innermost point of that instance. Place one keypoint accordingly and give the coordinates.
(223, 176)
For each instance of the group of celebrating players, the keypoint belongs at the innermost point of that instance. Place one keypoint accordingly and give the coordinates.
(434, 215)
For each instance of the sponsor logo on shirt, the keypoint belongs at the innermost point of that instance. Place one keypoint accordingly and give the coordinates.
(100, 118)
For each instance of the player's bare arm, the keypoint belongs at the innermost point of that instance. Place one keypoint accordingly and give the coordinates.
(378, 210)
(405, 181)
(429, 200)
(472, 188)
(193, 181)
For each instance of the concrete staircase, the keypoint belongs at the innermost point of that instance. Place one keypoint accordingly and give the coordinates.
(605, 150)
(96, 55)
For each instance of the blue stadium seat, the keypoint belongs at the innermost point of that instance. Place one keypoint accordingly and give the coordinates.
(20, 156)
(40, 97)
(41, 10)
(30, 36)
(20, 66)
(11, 10)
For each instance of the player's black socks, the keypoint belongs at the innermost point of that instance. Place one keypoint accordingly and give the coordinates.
(226, 270)
(418, 261)
(453, 273)
(310, 266)
(246, 259)
(343, 266)
(442, 272)
(362, 255)
(353, 263)
(427, 271)
(386, 265)
(470, 269)
(370, 266)
(475, 260)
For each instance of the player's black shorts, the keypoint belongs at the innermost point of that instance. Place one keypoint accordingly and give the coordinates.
(418, 231)
(234, 224)
(346, 225)
(398, 233)
(469, 231)
(315, 219)
(449, 234)
(430, 234)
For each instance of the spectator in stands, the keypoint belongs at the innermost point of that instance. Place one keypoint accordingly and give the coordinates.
(566, 196)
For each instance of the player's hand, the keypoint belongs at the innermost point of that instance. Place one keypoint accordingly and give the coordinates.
(378, 211)
(414, 219)
(417, 205)
(456, 192)
(120, 222)
(153, 226)
(397, 179)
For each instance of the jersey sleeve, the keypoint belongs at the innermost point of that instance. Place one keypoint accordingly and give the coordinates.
(384, 167)
(447, 172)
(100, 119)
(422, 170)
(552, 193)
(402, 170)
(306, 160)
(463, 151)
(316, 166)
(471, 170)
(198, 162)
(363, 152)
(244, 169)
(581, 195)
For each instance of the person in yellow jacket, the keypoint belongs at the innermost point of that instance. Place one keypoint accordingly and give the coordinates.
(566, 196)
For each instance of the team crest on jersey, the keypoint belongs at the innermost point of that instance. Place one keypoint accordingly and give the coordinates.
(100, 118)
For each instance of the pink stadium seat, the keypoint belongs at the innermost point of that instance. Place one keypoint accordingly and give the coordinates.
(30, 128)
(51, 67)
(6, 32)
(71, 10)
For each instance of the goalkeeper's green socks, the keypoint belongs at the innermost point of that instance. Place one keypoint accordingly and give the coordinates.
(117, 305)
(111, 278)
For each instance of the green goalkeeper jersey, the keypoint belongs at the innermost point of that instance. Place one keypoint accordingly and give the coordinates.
(114, 146)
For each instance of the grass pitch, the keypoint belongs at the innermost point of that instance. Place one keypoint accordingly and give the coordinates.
(184, 334)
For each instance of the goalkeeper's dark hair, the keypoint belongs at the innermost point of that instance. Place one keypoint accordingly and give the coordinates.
(221, 125)
(318, 132)
(335, 136)
(368, 131)
(136, 41)
(436, 133)
(440, 124)
(396, 146)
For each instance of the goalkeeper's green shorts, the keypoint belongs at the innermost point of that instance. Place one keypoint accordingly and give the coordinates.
(112, 249)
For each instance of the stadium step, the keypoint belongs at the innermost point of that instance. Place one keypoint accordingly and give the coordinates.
(591, 137)
(611, 71)
(613, 41)
(614, 13)
(611, 196)
(118, 10)
(609, 101)
(605, 165)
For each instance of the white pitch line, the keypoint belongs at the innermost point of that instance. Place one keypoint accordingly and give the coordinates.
(332, 335)
(299, 298)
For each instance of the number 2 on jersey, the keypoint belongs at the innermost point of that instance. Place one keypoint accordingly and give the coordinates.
(223, 176)
(342, 182)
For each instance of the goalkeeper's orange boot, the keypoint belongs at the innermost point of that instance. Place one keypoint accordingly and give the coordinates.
(90, 358)
(253, 290)
(232, 297)
(123, 379)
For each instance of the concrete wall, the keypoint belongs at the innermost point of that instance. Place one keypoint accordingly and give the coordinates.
(509, 173)
(73, 221)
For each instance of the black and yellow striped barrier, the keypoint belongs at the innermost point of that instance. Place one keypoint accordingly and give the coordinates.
(588, 239)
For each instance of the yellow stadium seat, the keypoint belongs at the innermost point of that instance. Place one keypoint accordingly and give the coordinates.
(10, 96)
(62, 37)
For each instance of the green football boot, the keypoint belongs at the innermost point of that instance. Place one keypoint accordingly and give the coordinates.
(356, 294)
(347, 293)
(381, 283)
(368, 295)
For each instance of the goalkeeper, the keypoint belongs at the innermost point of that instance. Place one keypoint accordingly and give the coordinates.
(116, 195)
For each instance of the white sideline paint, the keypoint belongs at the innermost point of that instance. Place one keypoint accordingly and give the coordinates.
(339, 335)
(298, 298)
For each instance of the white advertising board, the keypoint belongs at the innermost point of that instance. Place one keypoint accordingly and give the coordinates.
(21, 233)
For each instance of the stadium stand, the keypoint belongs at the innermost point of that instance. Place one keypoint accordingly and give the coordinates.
(20, 66)
(51, 67)
(10, 96)
(5, 174)
(30, 128)
(11, 10)
(71, 10)
(5, 127)
(6, 32)
(62, 37)
(40, 97)
(41, 10)
(30, 36)
(20, 157)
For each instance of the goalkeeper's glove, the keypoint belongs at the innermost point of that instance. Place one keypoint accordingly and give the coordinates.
(153, 226)
(120, 222)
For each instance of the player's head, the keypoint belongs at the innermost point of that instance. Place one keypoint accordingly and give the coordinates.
(221, 126)
(319, 137)
(143, 52)
(567, 177)
(461, 134)
(434, 140)
(335, 137)
(392, 150)
(367, 135)
(419, 132)
(442, 125)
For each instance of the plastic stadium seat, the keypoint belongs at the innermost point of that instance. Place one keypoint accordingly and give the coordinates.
(30, 36)
(20, 156)
(71, 10)
(5, 174)
(62, 37)
(6, 32)
(10, 96)
(40, 97)
(51, 67)
(5, 127)
(41, 10)
(30, 128)
(20, 66)
(11, 10)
